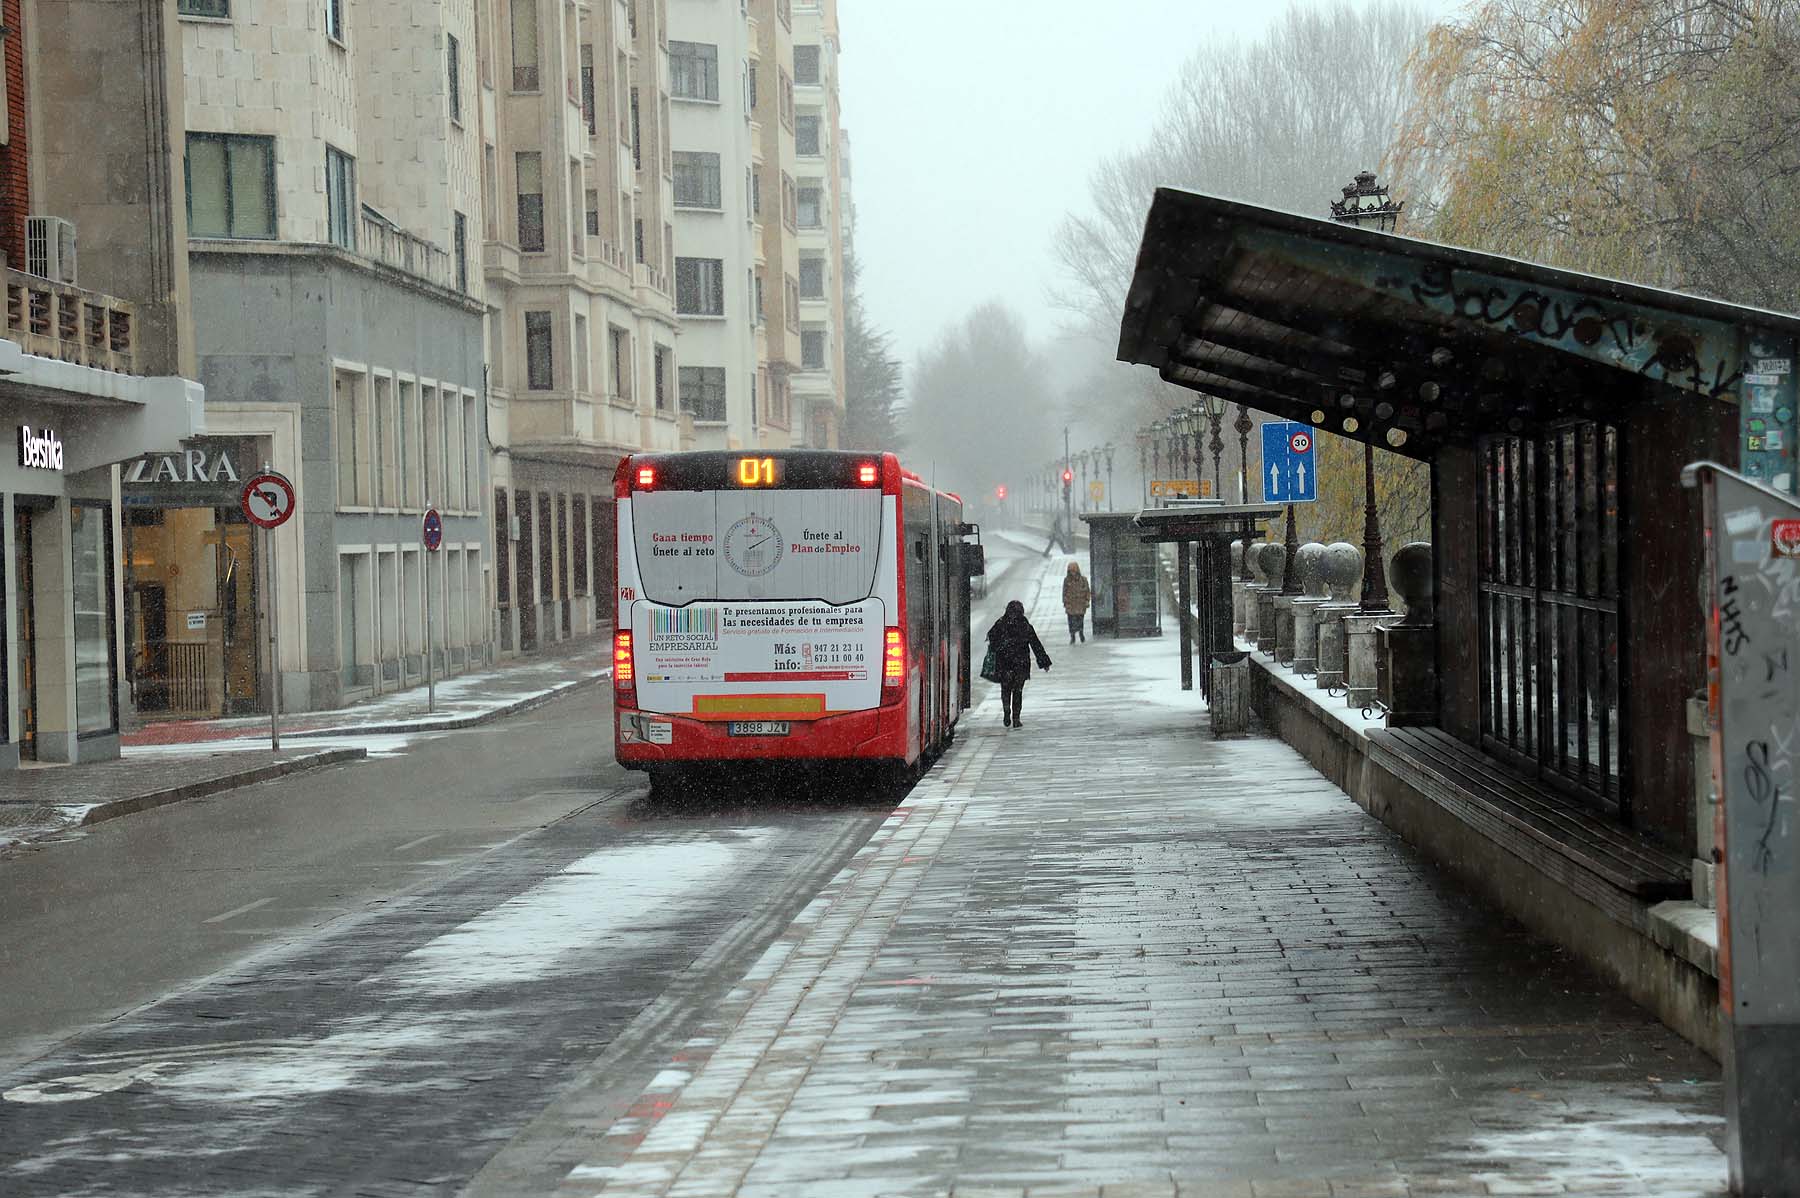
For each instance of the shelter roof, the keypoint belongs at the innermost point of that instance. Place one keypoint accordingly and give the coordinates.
(1414, 345)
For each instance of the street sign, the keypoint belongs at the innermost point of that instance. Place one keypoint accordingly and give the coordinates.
(432, 530)
(1096, 490)
(267, 499)
(1288, 471)
(1180, 488)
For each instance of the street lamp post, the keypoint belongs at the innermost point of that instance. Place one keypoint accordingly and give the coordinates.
(1243, 427)
(1184, 420)
(1156, 448)
(1366, 204)
(1215, 415)
(1143, 442)
(1082, 458)
(1108, 451)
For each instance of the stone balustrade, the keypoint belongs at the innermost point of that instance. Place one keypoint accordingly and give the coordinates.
(71, 324)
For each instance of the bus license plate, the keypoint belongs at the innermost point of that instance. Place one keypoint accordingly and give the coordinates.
(759, 728)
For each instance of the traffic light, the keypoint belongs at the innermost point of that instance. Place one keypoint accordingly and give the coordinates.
(1000, 492)
(1068, 476)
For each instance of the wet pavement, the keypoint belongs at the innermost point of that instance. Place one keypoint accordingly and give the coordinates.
(1106, 954)
(1100, 954)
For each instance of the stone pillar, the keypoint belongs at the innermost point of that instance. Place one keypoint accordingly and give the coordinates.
(1362, 655)
(1273, 560)
(1304, 656)
(1254, 586)
(1237, 589)
(1342, 571)
(1407, 678)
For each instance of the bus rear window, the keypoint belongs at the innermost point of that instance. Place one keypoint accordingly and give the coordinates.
(776, 544)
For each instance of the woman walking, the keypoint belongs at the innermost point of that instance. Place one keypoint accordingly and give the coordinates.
(1076, 594)
(1015, 642)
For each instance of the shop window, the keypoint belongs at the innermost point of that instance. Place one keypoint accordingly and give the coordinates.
(96, 669)
(387, 448)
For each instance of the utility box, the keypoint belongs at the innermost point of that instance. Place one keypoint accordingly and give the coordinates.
(1122, 565)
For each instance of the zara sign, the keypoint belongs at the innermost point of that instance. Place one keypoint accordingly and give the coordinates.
(40, 450)
(203, 472)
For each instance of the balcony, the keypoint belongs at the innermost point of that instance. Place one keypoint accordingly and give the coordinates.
(65, 322)
(385, 242)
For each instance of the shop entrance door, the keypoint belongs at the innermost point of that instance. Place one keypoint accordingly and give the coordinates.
(237, 568)
(27, 613)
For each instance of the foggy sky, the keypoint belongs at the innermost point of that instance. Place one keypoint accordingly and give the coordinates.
(975, 124)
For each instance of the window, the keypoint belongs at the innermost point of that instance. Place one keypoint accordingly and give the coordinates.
(697, 180)
(790, 213)
(412, 442)
(540, 360)
(787, 99)
(454, 61)
(579, 543)
(693, 71)
(525, 45)
(490, 206)
(806, 135)
(637, 143)
(811, 213)
(806, 65)
(230, 185)
(661, 369)
(340, 197)
(454, 457)
(812, 349)
(387, 455)
(760, 308)
(1549, 601)
(577, 229)
(756, 193)
(96, 696)
(637, 237)
(434, 445)
(700, 286)
(502, 544)
(204, 8)
(591, 201)
(622, 73)
(703, 392)
(621, 362)
(351, 446)
(753, 401)
(791, 294)
(750, 295)
(459, 238)
(334, 20)
(581, 352)
(750, 94)
(812, 276)
(587, 90)
(470, 445)
(530, 168)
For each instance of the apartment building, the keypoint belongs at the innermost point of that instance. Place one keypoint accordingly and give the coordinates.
(718, 237)
(333, 172)
(578, 177)
(818, 383)
(775, 279)
(96, 356)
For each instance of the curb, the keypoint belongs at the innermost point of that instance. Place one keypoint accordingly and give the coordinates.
(452, 723)
(101, 812)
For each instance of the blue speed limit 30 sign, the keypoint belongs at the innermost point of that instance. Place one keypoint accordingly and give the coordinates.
(1288, 473)
(432, 530)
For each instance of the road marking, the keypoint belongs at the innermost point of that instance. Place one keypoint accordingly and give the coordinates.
(413, 844)
(237, 911)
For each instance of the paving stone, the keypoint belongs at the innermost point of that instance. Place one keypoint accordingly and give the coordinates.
(1124, 947)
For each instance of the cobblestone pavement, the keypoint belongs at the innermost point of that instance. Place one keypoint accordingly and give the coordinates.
(1106, 954)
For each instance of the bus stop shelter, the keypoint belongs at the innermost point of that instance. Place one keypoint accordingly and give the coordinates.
(1202, 534)
(1126, 581)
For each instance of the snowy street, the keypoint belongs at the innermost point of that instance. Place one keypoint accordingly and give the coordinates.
(1099, 954)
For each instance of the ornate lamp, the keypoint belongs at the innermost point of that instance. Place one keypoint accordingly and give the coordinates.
(1215, 416)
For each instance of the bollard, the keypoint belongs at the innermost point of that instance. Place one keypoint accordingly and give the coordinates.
(1228, 708)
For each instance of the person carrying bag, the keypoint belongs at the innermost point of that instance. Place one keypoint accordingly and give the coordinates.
(1012, 643)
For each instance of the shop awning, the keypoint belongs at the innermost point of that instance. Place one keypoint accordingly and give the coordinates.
(101, 416)
(1414, 345)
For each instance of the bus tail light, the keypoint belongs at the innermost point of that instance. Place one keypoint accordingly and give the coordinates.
(646, 477)
(624, 664)
(893, 665)
(868, 474)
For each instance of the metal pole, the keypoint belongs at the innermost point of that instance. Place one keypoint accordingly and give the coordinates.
(1184, 576)
(1068, 494)
(430, 638)
(274, 644)
(1374, 579)
(1290, 573)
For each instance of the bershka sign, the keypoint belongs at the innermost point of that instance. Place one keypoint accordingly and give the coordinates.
(42, 450)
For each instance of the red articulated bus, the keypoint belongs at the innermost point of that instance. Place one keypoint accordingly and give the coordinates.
(797, 605)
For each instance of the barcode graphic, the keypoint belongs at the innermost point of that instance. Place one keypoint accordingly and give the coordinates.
(685, 621)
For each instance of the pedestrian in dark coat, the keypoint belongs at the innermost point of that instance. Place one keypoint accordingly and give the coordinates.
(1076, 594)
(1015, 642)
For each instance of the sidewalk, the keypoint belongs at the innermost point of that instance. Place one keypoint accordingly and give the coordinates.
(39, 802)
(1104, 954)
(462, 702)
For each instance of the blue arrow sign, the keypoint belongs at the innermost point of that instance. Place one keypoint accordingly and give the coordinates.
(1289, 474)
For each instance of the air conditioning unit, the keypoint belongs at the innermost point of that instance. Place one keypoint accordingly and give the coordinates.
(50, 248)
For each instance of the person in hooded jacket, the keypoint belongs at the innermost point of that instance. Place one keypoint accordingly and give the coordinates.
(1076, 594)
(1015, 642)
